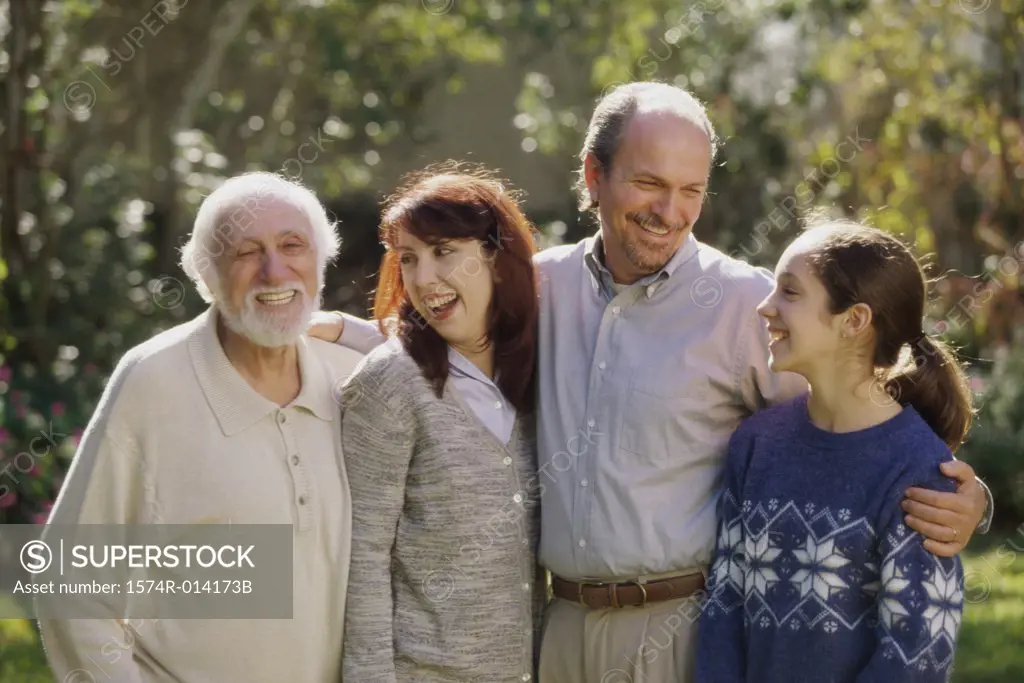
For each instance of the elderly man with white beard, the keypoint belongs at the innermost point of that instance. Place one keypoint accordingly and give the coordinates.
(230, 418)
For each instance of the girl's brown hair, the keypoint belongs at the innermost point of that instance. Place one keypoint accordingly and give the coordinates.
(860, 264)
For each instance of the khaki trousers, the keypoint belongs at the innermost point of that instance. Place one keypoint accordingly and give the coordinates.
(652, 644)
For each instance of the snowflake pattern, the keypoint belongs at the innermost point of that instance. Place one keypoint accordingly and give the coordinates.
(817, 575)
(946, 600)
(890, 609)
(729, 567)
(761, 554)
(784, 580)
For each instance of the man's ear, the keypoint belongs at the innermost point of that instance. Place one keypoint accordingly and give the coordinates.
(593, 173)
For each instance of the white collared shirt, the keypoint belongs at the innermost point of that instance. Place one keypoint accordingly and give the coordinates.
(482, 396)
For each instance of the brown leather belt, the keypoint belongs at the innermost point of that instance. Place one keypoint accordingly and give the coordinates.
(598, 595)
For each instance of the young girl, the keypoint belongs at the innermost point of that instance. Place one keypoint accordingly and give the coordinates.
(815, 576)
(440, 448)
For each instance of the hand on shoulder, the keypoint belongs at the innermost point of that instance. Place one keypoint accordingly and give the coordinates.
(326, 325)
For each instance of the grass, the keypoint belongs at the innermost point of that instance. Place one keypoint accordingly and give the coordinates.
(990, 647)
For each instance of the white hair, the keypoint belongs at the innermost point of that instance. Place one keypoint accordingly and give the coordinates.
(231, 207)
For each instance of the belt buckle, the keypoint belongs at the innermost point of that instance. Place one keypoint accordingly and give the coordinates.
(643, 591)
(580, 585)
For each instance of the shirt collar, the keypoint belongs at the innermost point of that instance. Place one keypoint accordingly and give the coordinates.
(237, 405)
(460, 365)
(593, 255)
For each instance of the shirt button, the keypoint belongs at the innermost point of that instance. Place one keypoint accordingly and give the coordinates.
(507, 460)
(615, 310)
(281, 418)
(584, 482)
(525, 677)
(295, 460)
(302, 500)
(601, 365)
(583, 543)
(526, 541)
(497, 404)
(518, 497)
(526, 586)
(650, 290)
(590, 423)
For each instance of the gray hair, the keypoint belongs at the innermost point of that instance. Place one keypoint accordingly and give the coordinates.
(232, 207)
(614, 111)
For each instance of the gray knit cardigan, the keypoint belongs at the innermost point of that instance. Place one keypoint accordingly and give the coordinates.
(444, 584)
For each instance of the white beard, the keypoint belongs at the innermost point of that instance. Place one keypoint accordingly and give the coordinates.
(267, 327)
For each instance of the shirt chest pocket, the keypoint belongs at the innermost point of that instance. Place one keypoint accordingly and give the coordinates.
(664, 411)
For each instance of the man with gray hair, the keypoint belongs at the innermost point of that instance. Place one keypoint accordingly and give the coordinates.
(651, 352)
(230, 418)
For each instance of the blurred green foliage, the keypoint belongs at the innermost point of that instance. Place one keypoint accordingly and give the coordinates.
(119, 119)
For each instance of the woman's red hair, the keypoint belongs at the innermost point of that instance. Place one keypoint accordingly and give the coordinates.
(446, 202)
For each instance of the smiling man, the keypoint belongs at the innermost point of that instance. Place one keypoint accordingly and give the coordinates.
(650, 354)
(230, 418)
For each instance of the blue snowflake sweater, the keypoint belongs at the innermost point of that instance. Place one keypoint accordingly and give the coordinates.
(816, 578)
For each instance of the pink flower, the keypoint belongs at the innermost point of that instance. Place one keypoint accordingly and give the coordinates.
(5, 373)
(40, 518)
(21, 411)
(57, 409)
(8, 500)
(76, 436)
(34, 472)
(4, 435)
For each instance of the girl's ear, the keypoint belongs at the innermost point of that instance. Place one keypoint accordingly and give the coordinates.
(856, 319)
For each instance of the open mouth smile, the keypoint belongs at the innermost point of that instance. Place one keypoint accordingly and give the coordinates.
(441, 305)
(277, 298)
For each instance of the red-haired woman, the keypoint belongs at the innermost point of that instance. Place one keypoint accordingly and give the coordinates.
(440, 446)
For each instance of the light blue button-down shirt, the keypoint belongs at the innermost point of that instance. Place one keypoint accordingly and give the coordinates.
(640, 390)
